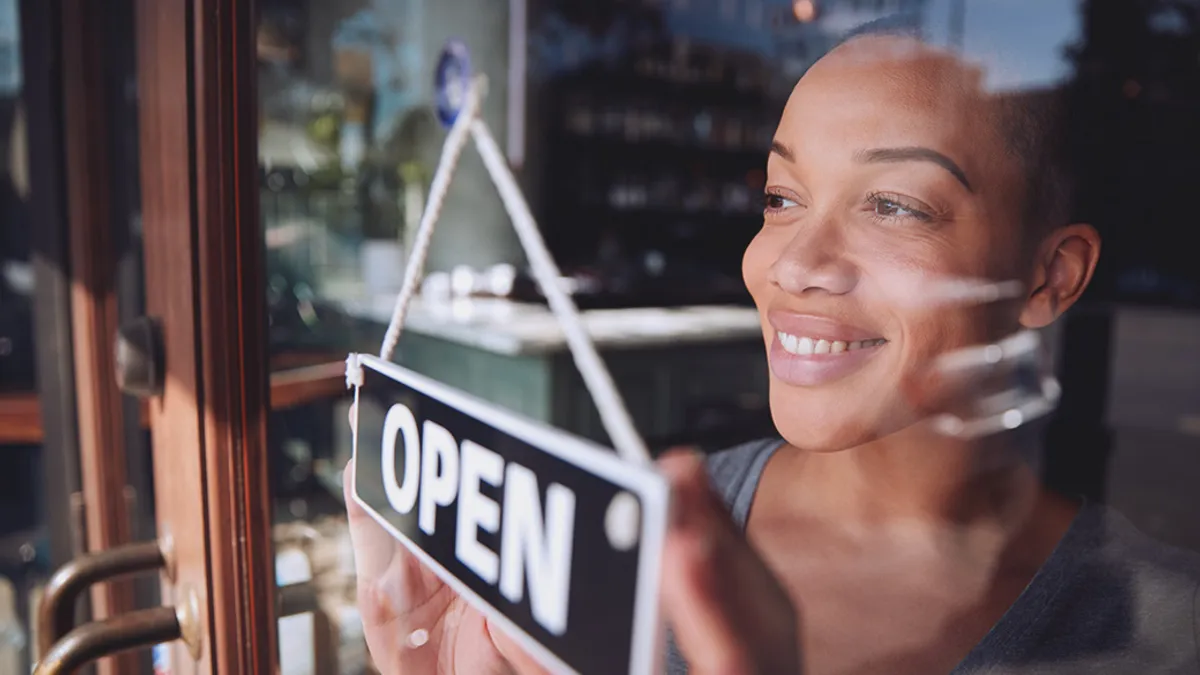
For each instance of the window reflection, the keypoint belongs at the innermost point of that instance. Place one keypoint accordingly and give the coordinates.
(647, 126)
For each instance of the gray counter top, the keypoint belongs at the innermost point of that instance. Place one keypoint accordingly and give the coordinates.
(507, 327)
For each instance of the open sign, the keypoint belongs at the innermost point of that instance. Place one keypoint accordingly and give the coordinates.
(552, 536)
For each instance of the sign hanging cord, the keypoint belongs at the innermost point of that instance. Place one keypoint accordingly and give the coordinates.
(613, 413)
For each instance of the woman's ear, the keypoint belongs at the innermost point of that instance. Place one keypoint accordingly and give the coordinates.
(1062, 270)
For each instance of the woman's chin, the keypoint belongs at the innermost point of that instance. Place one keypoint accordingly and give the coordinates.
(828, 424)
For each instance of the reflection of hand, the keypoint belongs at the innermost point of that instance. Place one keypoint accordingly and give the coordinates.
(728, 612)
(983, 389)
(986, 389)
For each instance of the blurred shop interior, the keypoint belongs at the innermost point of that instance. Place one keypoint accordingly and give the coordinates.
(639, 131)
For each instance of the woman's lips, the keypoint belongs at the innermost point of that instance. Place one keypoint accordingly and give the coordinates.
(810, 350)
(821, 327)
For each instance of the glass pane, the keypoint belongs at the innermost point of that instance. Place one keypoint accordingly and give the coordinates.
(957, 329)
(39, 517)
(20, 430)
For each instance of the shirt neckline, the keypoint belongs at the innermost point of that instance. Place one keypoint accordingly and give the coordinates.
(1005, 638)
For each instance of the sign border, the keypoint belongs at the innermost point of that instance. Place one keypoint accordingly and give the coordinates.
(652, 490)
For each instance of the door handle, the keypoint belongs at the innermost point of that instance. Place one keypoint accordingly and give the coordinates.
(56, 616)
(98, 639)
(64, 648)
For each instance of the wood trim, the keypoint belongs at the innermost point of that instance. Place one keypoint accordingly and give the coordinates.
(20, 414)
(165, 146)
(20, 419)
(99, 408)
(205, 282)
(299, 386)
(233, 336)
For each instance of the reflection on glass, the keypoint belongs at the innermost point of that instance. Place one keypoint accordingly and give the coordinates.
(939, 187)
(347, 145)
(20, 520)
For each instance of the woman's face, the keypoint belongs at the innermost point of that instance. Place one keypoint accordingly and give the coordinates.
(886, 178)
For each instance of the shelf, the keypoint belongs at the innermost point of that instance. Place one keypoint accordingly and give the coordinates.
(21, 418)
(654, 149)
(627, 81)
(666, 217)
(298, 386)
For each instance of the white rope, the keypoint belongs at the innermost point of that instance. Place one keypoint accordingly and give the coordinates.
(613, 413)
(456, 140)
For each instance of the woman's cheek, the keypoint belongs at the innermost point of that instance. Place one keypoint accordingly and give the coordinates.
(760, 254)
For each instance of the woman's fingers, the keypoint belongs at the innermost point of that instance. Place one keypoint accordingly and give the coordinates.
(518, 660)
(392, 584)
(692, 593)
(373, 546)
(727, 611)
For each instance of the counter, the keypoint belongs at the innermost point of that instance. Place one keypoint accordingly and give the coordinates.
(693, 375)
(511, 328)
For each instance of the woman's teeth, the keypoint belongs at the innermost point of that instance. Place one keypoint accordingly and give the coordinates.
(804, 346)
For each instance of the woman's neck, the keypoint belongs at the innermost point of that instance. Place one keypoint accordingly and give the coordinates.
(915, 479)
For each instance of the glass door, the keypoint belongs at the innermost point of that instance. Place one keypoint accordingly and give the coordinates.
(137, 265)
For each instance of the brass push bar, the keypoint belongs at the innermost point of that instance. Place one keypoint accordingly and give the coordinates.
(98, 639)
(56, 616)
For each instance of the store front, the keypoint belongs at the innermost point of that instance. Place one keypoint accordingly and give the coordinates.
(206, 204)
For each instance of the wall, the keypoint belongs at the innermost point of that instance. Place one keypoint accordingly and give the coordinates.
(474, 228)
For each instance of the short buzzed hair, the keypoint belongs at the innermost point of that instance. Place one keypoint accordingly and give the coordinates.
(1031, 123)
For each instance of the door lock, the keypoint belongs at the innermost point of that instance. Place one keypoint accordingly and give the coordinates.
(139, 358)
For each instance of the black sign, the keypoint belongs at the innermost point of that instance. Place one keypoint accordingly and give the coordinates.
(555, 538)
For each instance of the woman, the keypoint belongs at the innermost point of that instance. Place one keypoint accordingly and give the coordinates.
(875, 543)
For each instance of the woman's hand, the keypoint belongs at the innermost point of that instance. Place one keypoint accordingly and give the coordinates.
(414, 623)
(728, 613)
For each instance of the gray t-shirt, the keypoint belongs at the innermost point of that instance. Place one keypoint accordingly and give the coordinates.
(1109, 600)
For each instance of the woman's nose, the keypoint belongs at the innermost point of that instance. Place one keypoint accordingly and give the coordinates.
(815, 260)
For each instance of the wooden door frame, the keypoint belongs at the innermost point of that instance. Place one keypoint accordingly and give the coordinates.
(93, 242)
(79, 417)
(205, 284)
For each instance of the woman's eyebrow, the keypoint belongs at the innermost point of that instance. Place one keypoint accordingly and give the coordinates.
(783, 151)
(914, 154)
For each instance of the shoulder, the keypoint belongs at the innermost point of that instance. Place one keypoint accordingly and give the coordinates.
(734, 473)
(1134, 594)
(1125, 541)
(1159, 573)
(1156, 571)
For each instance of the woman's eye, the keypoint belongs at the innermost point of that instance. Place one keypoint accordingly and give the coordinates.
(776, 202)
(885, 207)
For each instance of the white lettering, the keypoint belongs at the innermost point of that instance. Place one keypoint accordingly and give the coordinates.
(475, 510)
(529, 552)
(400, 421)
(439, 474)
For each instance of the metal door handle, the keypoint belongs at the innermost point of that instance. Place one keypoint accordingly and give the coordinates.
(98, 639)
(56, 616)
(143, 628)
(64, 648)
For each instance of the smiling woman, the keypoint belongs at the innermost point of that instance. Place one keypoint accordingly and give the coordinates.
(894, 178)
(878, 199)
(917, 235)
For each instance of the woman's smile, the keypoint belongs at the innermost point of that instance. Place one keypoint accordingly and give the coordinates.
(812, 350)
